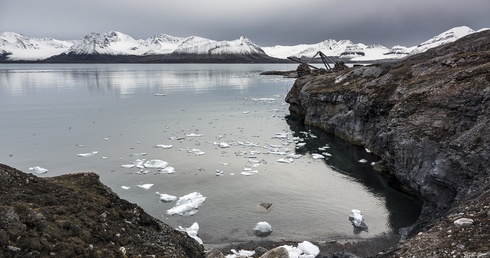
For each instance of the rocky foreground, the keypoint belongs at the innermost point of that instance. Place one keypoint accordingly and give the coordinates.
(428, 118)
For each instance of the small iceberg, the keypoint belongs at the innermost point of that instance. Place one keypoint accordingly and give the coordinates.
(145, 186)
(357, 219)
(89, 154)
(38, 170)
(166, 197)
(167, 170)
(187, 205)
(192, 231)
(262, 229)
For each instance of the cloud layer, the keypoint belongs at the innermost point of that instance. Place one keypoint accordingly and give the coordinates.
(268, 23)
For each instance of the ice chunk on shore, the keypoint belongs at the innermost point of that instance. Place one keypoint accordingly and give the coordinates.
(308, 248)
(192, 231)
(240, 254)
(145, 186)
(38, 170)
(88, 154)
(187, 205)
(155, 163)
(317, 156)
(363, 161)
(357, 219)
(166, 197)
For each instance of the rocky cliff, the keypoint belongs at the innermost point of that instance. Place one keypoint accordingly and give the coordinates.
(426, 116)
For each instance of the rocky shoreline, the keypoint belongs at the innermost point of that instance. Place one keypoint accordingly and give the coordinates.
(427, 117)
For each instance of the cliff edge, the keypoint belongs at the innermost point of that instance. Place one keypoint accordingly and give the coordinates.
(426, 116)
(75, 215)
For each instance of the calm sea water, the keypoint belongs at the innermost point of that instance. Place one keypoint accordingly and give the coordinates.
(52, 113)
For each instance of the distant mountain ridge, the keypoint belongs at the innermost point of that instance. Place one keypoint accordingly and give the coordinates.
(165, 48)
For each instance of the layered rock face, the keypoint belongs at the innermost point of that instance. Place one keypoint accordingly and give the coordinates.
(427, 117)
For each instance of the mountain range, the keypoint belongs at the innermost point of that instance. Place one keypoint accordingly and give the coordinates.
(115, 46)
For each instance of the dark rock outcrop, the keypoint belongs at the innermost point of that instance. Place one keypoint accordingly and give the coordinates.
(75, 215)
(426, 116)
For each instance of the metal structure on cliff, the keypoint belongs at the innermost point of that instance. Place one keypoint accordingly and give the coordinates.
(325, 60)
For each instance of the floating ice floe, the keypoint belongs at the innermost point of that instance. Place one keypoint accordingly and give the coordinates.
(194, 135)
(281, 135)
(127, 166)
(192, 231)
(88, 154)
(196, 152)
(160, 94)
(187, 205)
(249, 172)
(300, 144)
(262, 229)
(138, 154)
(357, 219)
(155, 163)
(223, 145)
(317, 156)
(363, 161)
(164, 146)
(38, 170)
(167, 170)
(145, 186)
(106, 138)
(166, 197)
(125, 187)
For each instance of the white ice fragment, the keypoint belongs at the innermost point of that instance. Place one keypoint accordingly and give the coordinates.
(145, 186)
(160, 94)
(367, 150)
(223, 145)
(192, 231)
(125, 187)
(187, 205)
(38, 170)
(317, 156)
(285, 160)
(262, 229)
(363, 161)
(104, 157)
(164, 146)
(89, 154)
(308, 248)
(155, 163)
(241, 253)
(281, 135)
(357, 219)
(224, 163)
(300, 144)
(197, 152)
(463, 222)
(246, 112)
(106, 138)
(249, 172)
(138, 154)
(327, 154)
(194, 135)
(167, 170)
(166, 197)
(294, 156)
(127, 166)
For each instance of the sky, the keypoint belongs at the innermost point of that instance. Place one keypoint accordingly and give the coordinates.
(264, 22)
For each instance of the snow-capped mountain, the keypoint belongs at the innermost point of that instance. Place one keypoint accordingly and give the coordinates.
(112, 43)
(443, 38)
(239, 46)
(17, 47)
(20, 47)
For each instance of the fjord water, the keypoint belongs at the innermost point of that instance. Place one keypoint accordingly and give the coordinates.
(50, 113)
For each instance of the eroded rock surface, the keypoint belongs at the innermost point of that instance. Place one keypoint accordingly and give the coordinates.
(75, 215)
(426, 116)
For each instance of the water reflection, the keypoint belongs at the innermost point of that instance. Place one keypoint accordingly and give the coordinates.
(124, 80)
(403, 209)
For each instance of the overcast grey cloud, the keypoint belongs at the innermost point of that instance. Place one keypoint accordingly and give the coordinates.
(265, 22)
